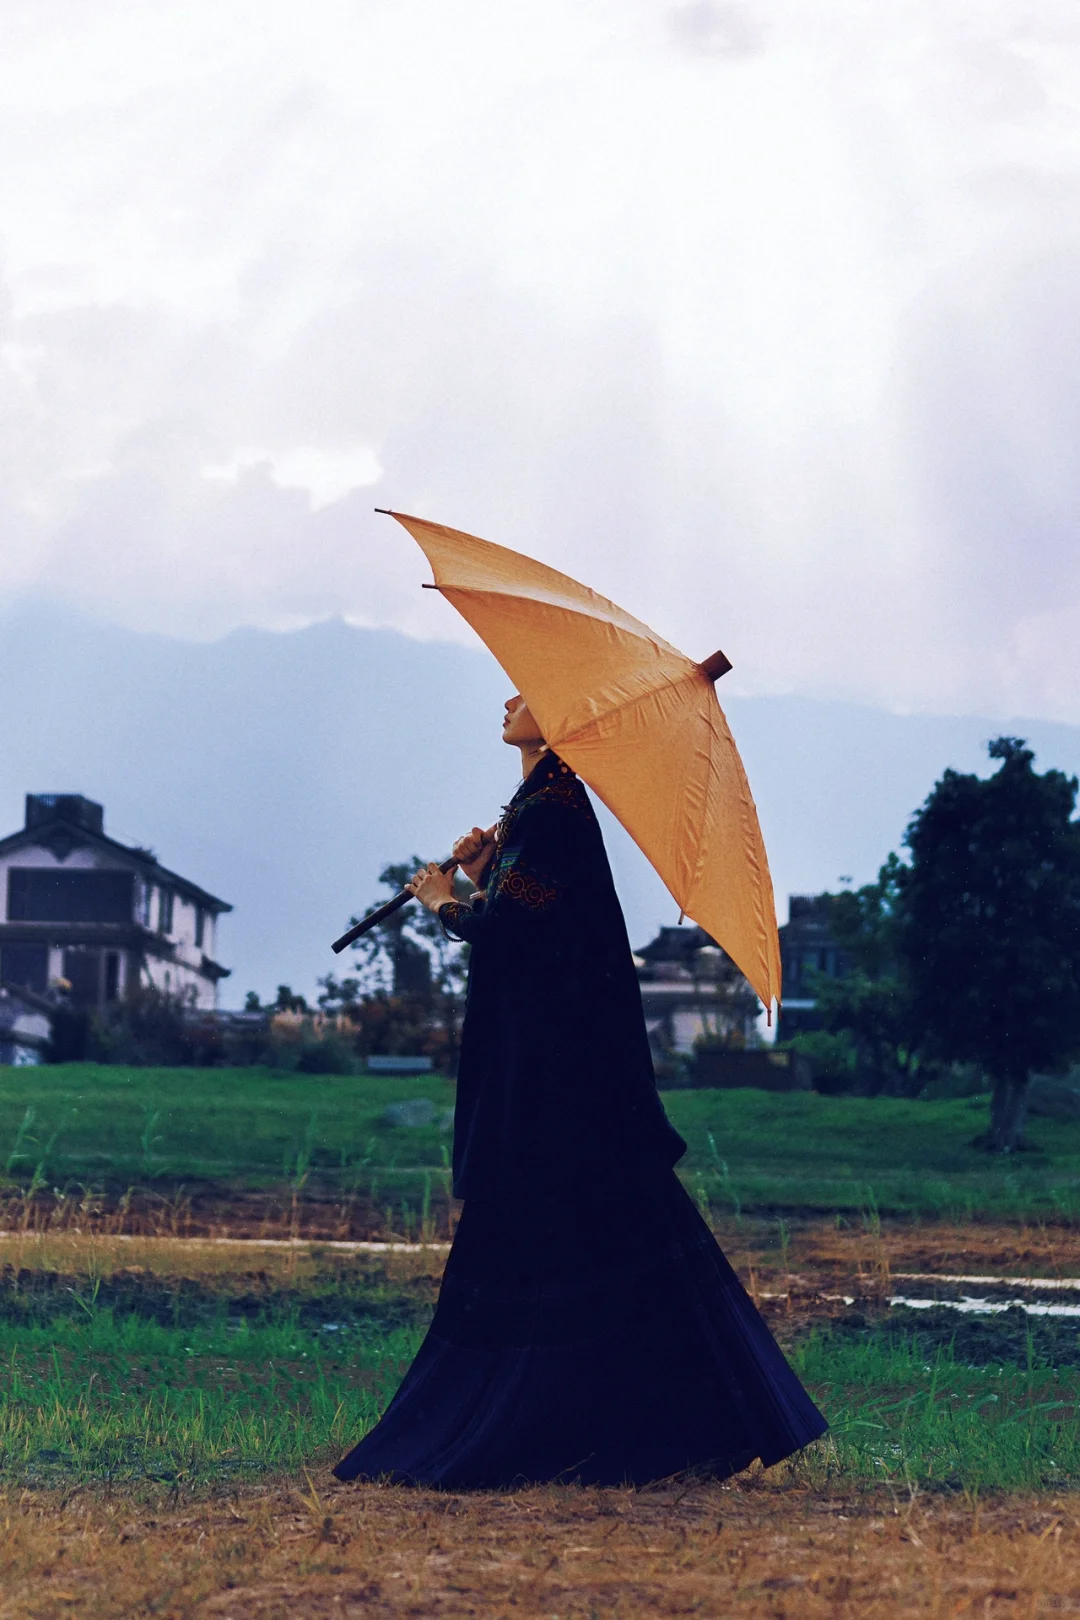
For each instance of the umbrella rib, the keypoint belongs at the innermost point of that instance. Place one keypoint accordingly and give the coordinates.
(617, 618)
(745, 801)
(628, 703)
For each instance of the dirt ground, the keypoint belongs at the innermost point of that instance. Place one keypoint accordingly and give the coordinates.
(758, 1548)
(218, 1211)
(818, 1244)
(799, 1271)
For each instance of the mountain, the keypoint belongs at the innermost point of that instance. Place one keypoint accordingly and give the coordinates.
(283, 770)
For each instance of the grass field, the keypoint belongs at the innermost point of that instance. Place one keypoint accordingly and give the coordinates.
(253, 1130)
(170, 1404)
(249, 1127)
(168, 1412)
(797, 1150)
(196, 1372)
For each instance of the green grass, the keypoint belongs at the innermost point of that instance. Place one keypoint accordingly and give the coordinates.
(100, 1125)
(100, 1383)
(105, 1397)
(906, 1412)
(114, 1127)
(797, 1150)
(127, 1375)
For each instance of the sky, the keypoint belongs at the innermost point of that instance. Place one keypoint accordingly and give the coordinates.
(759, 316)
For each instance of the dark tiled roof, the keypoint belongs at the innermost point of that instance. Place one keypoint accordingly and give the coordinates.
(59, 830)
(675, 945)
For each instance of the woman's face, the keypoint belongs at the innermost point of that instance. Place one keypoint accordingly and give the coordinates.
(519, 727)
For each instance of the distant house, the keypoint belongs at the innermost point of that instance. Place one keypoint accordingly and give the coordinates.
(25, 1026)
(691, 989)
(105, 917)
(806, 948)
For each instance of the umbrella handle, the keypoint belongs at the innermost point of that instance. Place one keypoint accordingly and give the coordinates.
(715, 665)
(400, 899)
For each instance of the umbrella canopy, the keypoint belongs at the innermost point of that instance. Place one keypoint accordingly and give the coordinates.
(640, 724)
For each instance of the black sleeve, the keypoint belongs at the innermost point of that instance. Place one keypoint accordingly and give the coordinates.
(531, 879)
(458, 916)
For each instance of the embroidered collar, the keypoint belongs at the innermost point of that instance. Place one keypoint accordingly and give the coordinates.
(551, 776)
(547, 770)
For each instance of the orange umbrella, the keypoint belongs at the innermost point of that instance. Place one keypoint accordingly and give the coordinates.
(637, 720)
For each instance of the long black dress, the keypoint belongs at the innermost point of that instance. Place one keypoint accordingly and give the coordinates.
(588, 1327)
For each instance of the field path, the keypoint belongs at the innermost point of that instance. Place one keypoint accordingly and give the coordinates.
(753, 1549)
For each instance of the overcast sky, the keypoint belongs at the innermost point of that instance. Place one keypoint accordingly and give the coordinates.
(761, 316)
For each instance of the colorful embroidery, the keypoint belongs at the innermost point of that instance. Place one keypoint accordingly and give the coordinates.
(565, 790)
(527, 888)
(450, 915)
(569, 792)
(554, 783)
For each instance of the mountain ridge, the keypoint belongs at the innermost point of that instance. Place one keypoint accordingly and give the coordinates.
(284, 769)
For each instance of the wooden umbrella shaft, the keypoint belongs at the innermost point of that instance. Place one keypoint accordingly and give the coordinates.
(374, 918)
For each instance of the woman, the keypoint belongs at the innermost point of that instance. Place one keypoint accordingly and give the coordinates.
(588, 1327)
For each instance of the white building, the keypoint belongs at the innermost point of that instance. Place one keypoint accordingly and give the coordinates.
(78, 906)
(25, 1027)
(691, 990)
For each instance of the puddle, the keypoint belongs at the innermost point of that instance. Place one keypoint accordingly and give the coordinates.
(985, 1307)
(989, 1282)
(982, 1305)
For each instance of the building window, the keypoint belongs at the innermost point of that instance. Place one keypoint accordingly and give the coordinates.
(112, 975)
(25, 965)
(200, 927)
(165, 911)
(43, 894)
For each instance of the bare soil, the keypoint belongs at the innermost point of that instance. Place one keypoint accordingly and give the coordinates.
(797, 1271)
(211, 1210)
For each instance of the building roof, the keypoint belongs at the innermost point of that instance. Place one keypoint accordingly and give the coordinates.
(809, 919)
(61, 822)
(676, 945)
(29, 998)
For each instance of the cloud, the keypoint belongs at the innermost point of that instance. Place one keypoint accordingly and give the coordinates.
(715, 29)
(327, 475)
(756, 317)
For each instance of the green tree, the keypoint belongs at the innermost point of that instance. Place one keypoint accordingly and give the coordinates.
(288, 1000)
(987, 926)
(869, 1003)
(409, 990)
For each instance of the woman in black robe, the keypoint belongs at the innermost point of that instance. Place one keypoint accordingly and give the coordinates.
(588, 1327)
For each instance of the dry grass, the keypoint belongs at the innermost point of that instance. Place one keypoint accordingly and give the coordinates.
(92, 1254)
(756, 1548)
(47, 1232)
(209, 1209)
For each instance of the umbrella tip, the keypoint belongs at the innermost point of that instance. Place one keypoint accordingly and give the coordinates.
(715, 665)
(385, 510)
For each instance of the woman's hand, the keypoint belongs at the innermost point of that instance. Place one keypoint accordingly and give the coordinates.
(473, 851)
(432, 886)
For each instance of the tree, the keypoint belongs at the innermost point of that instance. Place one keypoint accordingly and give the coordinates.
(870, 1003)
(726, 1004)
(288, 1000)
(988, 926)
(408, 993)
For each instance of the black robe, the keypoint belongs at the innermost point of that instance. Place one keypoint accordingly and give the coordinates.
(555, 1080)
(588, 1326)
